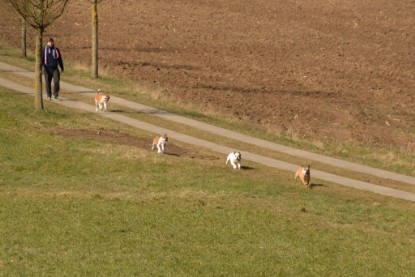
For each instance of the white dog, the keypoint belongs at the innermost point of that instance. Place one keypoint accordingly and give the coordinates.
(235, 159)
(160, 141)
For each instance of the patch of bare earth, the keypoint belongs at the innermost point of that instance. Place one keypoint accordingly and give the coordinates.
(323, 70)
(115, 137)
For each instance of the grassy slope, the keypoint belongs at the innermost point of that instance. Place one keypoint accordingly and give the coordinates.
(392, 159)
(75, 206)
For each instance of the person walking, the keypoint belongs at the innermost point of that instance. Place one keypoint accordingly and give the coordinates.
(52, 57)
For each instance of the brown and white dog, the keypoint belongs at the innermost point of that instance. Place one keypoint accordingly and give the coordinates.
(234, 158)
(304, 174)
(101, 100)
(160, 141)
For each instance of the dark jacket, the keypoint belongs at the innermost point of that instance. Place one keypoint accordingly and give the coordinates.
(52, 57)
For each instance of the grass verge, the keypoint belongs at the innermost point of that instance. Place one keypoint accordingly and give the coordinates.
(80, 206)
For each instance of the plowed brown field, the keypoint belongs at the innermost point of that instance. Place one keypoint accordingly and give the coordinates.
(342, 70)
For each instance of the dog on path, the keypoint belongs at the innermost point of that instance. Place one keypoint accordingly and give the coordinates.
(101, 100)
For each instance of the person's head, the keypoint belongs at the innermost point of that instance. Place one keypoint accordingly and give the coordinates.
(50, 42)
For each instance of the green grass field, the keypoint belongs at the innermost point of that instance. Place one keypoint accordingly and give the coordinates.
(75, 206)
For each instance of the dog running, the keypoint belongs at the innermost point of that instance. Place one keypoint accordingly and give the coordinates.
(159, 142)
(234, 158)
(304, 174)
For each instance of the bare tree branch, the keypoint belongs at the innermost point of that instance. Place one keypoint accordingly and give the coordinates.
(39, 14)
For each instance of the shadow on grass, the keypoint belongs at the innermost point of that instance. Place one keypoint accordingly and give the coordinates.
(312, 185)
(171, 154)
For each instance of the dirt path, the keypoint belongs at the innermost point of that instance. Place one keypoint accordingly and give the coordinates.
(223, 132)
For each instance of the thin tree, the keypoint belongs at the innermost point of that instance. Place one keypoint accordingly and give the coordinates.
(39, 14)
(94, 37)
(24, 37)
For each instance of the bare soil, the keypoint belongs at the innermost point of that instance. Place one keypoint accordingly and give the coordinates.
(112, 136)
(320, 70)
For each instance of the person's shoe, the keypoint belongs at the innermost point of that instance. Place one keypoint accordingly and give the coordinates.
(56, 98)
(48, 98)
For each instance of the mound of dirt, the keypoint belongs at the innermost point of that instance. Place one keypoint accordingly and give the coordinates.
(320, 70)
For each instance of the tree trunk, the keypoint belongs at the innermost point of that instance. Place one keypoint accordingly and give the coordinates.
(39, 14)
(24, 31)
(38, 70)
(94, 14)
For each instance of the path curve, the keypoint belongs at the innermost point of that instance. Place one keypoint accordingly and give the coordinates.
(227, 133)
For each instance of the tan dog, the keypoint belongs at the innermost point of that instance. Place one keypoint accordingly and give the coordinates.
(160, 141)
(101, 100)
(304, 174)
